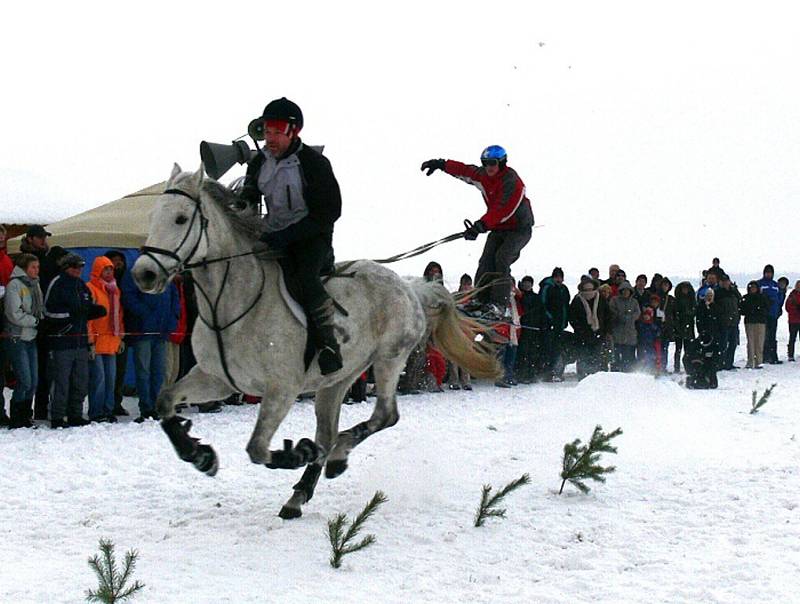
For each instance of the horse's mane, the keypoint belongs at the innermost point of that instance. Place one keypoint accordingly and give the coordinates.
(244, 225)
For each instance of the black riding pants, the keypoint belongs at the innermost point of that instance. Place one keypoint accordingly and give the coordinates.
(305, 261)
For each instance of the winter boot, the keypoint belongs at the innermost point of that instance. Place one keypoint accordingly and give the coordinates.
(330, 358)
(120, 410)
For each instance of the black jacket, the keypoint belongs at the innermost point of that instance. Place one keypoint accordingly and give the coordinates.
(685, 309)
(320, 191)
(755, 308)
(533, 314)
(726, 307)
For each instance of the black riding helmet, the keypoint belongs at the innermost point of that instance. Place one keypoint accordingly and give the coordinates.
(280, 109)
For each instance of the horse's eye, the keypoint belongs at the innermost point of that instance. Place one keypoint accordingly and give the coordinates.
(181, 219)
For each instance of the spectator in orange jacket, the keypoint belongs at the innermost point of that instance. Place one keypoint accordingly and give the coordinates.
(105, 341)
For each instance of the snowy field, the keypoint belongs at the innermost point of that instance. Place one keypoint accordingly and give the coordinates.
(703, 506)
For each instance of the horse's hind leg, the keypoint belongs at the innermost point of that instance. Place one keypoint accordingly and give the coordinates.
(387, 374)
(195, 386)
(327, 404)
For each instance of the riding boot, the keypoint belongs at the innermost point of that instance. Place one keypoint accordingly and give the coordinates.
(330, 358)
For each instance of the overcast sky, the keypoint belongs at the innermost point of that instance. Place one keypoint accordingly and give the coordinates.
(656, 135)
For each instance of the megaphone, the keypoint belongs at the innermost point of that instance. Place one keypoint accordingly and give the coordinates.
(218, 159)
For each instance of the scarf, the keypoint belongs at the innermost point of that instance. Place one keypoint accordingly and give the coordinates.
(37, 300)
(113, 302)
(111, 289)
(591, 311)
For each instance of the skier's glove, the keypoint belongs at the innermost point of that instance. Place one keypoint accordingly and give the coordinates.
(432, 165)
(474, 229)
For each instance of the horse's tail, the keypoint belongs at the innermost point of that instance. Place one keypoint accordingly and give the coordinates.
(455, 334)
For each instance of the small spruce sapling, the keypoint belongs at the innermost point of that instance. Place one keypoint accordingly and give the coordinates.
(341, 539)
(112, 583)
(488, 507)
(581, 461)
(757, 404)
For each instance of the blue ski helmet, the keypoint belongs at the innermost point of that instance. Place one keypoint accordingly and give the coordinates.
(494, 154)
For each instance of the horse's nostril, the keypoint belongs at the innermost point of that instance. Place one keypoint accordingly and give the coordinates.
(149, 276)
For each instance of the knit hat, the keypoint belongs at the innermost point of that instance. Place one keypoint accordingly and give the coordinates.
(71, 260)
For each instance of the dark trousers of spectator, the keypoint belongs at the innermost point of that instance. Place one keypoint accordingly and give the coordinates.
(528, 355)
(22, 355)
(589, 352)
(729, 340)
(552, 361)
(501, 250)
(770, 341)
(680, 345)
(624, 357)
(794, 329)
(42, 399)
(509, 358)
(69, 375)
(411, 380)
(119, 377)
(149, 363)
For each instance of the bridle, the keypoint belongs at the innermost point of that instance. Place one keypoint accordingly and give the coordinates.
(184, 265)
(151, 252)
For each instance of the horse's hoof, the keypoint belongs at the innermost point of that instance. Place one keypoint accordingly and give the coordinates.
(206, 461)
(335, 467)
(288, 513)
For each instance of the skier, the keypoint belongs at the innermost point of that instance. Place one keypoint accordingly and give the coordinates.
(303, 201)
(508, 217)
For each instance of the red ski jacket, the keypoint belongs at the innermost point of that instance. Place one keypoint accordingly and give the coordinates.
(793, 307)
(507, 207)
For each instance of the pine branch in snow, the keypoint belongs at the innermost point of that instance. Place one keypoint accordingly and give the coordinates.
(580, 461)
(757, 404)
(341, 539)
(488, 506)
(112, 585)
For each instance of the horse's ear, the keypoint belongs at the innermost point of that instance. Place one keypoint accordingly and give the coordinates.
(197, 178)
(176, 169)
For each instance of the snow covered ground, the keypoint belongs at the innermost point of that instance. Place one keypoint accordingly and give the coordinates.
(703, 506)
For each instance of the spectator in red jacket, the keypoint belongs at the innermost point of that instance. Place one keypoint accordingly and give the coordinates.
(793, 310)
(508, 217)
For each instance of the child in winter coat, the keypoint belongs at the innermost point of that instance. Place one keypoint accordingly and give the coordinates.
(650, 336)
(105, 340)
(793, 310)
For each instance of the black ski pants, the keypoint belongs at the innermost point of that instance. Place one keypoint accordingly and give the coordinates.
(502, 249)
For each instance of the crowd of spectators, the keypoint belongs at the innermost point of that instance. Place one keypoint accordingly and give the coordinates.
(620, 326)
(65, 339)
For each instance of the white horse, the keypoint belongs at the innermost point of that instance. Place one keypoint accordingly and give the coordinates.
(247, 339)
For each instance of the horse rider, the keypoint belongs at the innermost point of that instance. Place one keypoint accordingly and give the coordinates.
(508, 217)
(303, 201)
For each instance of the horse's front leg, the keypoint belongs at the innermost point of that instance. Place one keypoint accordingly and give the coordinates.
(275, 404)
(195, 386)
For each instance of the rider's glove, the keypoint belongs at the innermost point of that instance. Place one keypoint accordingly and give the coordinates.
(276, 240)
(432, 165)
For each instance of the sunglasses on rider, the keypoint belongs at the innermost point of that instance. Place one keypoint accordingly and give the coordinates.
(490, 162)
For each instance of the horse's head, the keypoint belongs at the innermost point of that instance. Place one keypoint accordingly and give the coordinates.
(177, 233)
